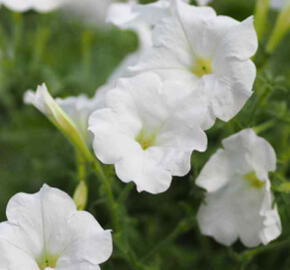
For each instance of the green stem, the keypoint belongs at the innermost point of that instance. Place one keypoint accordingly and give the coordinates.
(182, 227)
(281, 28)
(42, 36)
(111, 200)
(261, 12)
(81, 192)
(18, 30)
(264, 126)
(81, 166)
(250, 254)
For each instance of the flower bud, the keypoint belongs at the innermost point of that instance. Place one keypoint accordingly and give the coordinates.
(43, 101)
(281, 28)
(261, 12)
(81, 195)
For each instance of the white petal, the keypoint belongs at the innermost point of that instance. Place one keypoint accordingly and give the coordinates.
(91, 11)
(216, 173)
(40, 219)
(144, 170)
(121, 14)
(154, 12)
(277, 4)
(257, 151)
(38, 5)
(40, 99)
(112, 139)
(177, 162)
(203, 2)
(272, 224)
(241, 41)
(89, 244)
(230, 88)
(13, 258)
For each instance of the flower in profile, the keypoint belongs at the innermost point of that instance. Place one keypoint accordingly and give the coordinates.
(44, 231)
(239, 202)
(70, 115)
(79, 109)
(145, 134)
(206, 52)
(38, 5)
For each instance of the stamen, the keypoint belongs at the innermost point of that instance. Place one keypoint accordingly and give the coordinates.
(145, 140)
(202, 67)
(254, 180)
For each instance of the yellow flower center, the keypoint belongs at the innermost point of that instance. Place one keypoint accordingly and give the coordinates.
(47, 261)
(254, 180)
(202, 67)
(145, 140)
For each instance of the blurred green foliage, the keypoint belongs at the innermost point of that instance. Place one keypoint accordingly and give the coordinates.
(74, 58)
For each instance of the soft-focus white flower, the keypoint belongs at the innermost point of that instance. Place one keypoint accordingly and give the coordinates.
(44, 231)
(278, 4)
(123, 16)
(70, 111)
(38, 5)
(203, 2)
(145, 134)
(206, 52)
(239, 201)
(93, 12)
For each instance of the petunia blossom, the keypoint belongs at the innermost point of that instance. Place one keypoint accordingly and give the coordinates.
(44, 231)
(207, 52)
(239, 202)
(145, 134)
(38, 5)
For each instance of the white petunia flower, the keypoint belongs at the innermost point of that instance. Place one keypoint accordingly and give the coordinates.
(38, 5)
(206, 52)
(44, 231)
(71, 111)
(238, 201)
(147, 136)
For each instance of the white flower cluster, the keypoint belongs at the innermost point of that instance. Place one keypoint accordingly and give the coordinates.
(192, 67)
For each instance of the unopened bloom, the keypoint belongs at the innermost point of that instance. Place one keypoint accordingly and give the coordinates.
(145, 134)
(206, 52)
(70, 115)
(239, 202)
(38, 5)
(281, 28)
(45, 231)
